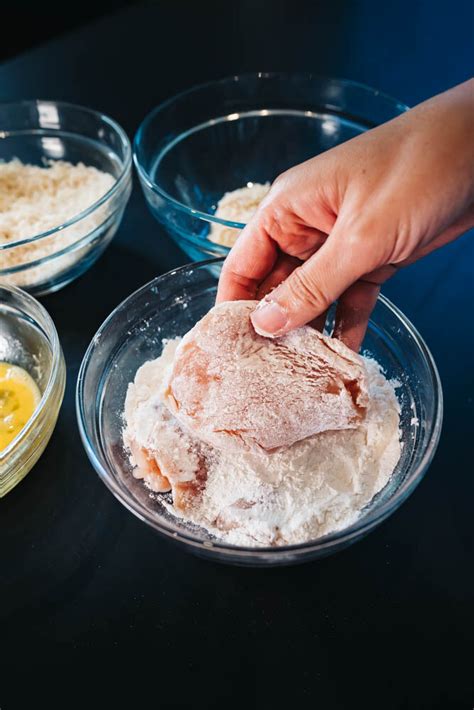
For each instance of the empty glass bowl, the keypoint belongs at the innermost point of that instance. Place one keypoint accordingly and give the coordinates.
(227, 134)
(168, 307)
(29, 339)
(39, 131)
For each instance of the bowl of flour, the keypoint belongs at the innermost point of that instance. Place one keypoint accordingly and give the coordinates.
(293, 505)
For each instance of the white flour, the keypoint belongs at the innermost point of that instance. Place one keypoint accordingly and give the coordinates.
(314, 487)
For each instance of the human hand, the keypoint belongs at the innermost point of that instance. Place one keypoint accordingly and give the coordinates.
(340, 224)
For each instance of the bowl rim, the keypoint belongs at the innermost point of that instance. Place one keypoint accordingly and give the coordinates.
(56, 366)
(79, 244)
(125, 169)
(357, 529)
(138, 138)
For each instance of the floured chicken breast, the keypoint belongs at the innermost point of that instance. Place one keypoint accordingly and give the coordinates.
(179, 461)
(261, 442)
(230, 386)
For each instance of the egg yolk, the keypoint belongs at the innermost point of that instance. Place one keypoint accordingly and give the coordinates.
(19, 397)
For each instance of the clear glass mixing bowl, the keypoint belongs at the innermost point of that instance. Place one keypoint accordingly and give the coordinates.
(28, 338)
(220, 136)
(39, 131)
(168, 307)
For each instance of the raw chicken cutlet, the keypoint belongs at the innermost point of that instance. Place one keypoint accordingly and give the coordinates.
(262, 442)
(230, 386)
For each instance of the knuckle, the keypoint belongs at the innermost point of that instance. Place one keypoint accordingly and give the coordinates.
(353, 238)
(277, 183)
(283, 179)
(234, 275)
(277, 219)
(361, 244)
(271, 219)
(304, 288)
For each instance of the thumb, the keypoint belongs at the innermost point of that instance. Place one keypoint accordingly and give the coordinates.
(311, 288)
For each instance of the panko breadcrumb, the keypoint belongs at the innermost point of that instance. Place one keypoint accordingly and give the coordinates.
(35, 199)
(236, 206)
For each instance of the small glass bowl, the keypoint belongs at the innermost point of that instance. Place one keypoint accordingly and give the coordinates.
(226, 134)
(168, 307)
(40, 131)
(29, 339)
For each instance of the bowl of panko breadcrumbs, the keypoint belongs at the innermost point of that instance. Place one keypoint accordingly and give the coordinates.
(206, 158)
(65, 179)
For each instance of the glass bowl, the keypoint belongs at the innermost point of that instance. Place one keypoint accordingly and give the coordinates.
(168, 307)
(29, 339)
(40, 131)
(226, 134)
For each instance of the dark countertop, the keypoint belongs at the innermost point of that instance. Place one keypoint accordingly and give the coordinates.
(94, 607)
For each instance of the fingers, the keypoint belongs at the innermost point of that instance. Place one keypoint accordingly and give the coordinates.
(353, 312)
(284, 266)
(311, 288)
(248, 264)
(273, 231)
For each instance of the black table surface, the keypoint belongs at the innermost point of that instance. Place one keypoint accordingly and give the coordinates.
(94, 607)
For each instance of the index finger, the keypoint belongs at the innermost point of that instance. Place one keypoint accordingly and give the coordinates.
(249, 262)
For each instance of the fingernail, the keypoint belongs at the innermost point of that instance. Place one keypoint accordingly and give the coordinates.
(269, 319)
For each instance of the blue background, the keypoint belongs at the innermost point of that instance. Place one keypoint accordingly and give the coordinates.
(389, 622)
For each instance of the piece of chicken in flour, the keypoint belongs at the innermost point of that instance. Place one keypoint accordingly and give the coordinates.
(224, 387)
